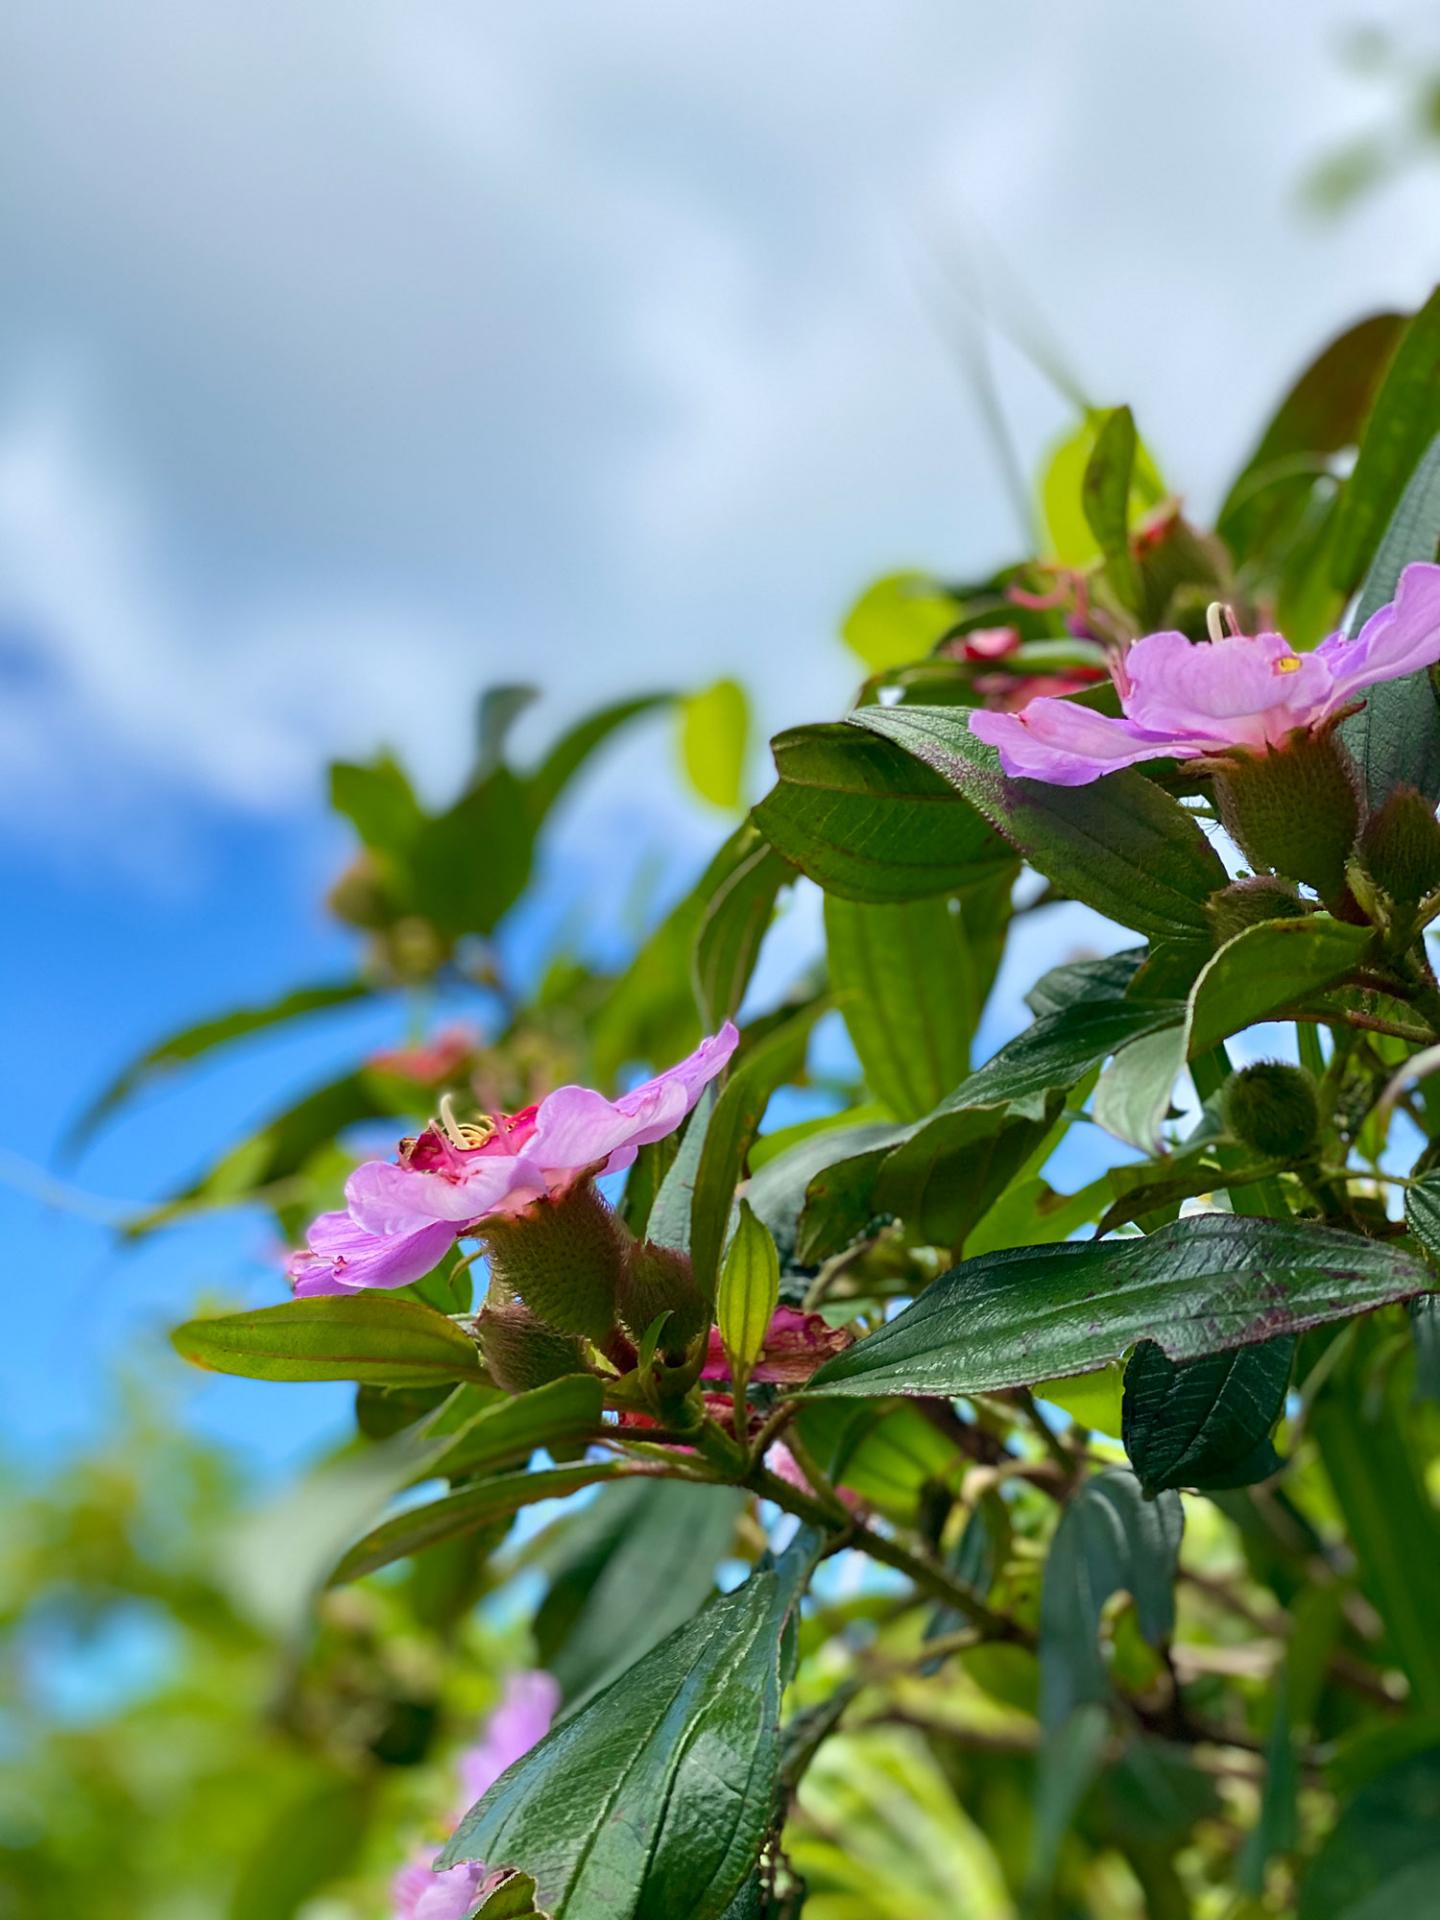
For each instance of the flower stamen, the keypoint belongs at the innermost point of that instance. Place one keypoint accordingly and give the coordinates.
(464, 1133)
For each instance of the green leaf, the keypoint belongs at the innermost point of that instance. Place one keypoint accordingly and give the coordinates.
(1105, 497)
(570, 752)
(864, 819)
(1105, 978)
(639, 1561)
(902, 979)
(655, 1798)
(189, 1043)
(733, 924)
(1123, 846)
(1395, 737)
(495, 716)
(363, 1336)
(1405, 421)
(1092, 1399)
(379, 803)
(1323, 413)
(1422, 1213)
(1073, 541)
(1389, 1516)
(512, 1899)
(1383, 1857)
(1251, 978)
(1111, 1539)
(1207, 1422)
(311, 1840)
(563, 1413)
(475, 1506)
(899, 619)
(749, 1291)
(470, 864)
(754, 1075)
(1069, 1764)
(670, 1214)
(714, 736)
(1202, 1285)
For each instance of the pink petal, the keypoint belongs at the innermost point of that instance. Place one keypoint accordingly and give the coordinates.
(1066, 744)
(527, 1707)
(385, 1198)
(1397, 639)
(576, 1129)
(342, 1257)
(1239, 691)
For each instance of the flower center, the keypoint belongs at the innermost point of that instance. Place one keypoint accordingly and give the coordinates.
(464, 1133)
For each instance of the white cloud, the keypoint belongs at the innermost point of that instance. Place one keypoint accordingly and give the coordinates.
(356, 357)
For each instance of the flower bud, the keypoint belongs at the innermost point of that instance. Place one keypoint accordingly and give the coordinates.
(655, 1281)
(1274, 1108)
(1248, 903)
(564, 1258)
(1400, 848)
(521, 1352)
(1295, 809)
(360, 897)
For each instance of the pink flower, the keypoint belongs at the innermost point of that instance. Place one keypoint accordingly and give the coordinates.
(400, 1218)
(795, 1345)
(1186, 701)
(522, 1719)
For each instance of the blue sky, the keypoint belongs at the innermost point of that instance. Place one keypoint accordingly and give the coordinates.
(351, 357)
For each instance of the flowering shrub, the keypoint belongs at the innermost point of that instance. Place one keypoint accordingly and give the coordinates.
(1130, 1483)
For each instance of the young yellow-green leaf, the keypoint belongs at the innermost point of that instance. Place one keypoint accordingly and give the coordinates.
(898, 620)
(749, 1291)
(904, 984)
(562, 1413)
(363, 1336)
(1072, 539)
(714, 736)
(1091, 1399)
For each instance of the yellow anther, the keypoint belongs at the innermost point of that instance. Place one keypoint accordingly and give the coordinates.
(1288, 663)
(464, 1133)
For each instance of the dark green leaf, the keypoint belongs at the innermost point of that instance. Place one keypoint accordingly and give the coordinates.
(498, 710)
(651, 1567)
(1322, 414)
(460, 1513)
(654, 1799)
(363, 1336)
(205, 1035)
(902, 979)
(1105, 978)
(1425, 1328)
(733, 925)
(1111, 1539)
(1383, 1858)
(1405, 421)
(1123, 846)
(1395, 737)
(1203, 1285)
(1207, 1422)
(867, 821)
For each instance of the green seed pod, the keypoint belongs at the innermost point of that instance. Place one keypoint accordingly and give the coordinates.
(1248, 903)
(1274, 1108)
(655, 1281)
(1400, 848)
(1295, 809)
(521, 1352)
(564, 1258)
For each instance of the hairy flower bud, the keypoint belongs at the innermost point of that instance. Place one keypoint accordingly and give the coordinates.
(655, 1281)
(1249, 903)
(1400, 848)
(1274, 1108)
(564, 1258)
(1295, 809)
(521, 1352)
